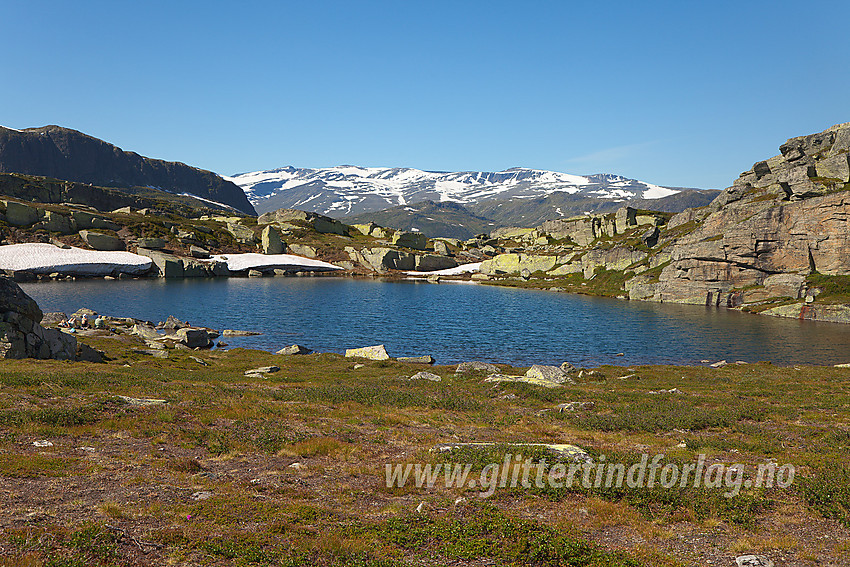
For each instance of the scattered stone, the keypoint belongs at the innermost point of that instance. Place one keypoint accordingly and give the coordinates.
(741, 362)
(377, 352)
(87, 449)
(151, 243)
(460, 500)
(255, 274)
(670, 391)
(263, 370)
(200, 361)
(627, 377)
(236, 333)
(42, 443)
(201, 495)
(359, 366)
(296, 466)
(845, 365)
(426, 359)
(198, 252)
(571, 452)
(719, 364)
(567, 367)
(474, 366)
(574, 406)
(512, 378)
(142, 401)
(620, 354)
(294, 349)
(426, 376)
(753, 561)
(421, 507)
(173, 323)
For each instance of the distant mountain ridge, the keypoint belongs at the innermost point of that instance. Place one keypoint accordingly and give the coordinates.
(63, 153)
(349, 190)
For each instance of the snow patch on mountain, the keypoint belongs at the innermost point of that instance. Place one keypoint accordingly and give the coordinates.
(349, 189)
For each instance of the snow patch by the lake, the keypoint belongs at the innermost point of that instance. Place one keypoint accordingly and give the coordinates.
(252, 261)
(41, 258)
(456, 271)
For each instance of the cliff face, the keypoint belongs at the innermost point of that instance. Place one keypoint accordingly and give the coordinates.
(62, 153)
(787, 215)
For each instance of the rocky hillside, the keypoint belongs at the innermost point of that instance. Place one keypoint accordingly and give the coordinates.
(777, 241)
(62, 153)
(453, 220)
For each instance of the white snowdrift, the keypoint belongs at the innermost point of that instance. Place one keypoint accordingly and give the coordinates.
(40, 258)
(456, 271)
(251, 261)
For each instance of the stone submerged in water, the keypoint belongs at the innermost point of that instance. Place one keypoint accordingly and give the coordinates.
(377, 352)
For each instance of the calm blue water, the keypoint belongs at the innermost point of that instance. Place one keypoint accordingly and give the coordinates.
(455, 322)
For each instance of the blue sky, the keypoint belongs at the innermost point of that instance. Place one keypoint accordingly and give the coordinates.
(680, 93)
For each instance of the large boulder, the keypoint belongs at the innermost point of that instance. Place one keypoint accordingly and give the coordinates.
(377, 352)
(540, 373)
(168, 265)
(100, 241)
(21, 335)
(413, 240)
(57, 222)
(432, 262)
(241, 233)
(270, 240)
(18, 214)
(194, 338)
(151, 243)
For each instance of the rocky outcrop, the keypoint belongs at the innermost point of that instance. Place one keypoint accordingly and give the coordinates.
(317, 222)
(21, 335)
(62, 153)
(780, 221)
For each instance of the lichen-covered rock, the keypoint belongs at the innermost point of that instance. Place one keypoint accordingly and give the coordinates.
(541, 373)
(377, 352)
(475, 366)
(270, 241)
(513, 263)
(426, 376)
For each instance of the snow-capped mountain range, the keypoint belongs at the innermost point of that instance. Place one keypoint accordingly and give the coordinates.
(347, 190)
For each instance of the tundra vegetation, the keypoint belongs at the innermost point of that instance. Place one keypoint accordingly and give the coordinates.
(214, 467)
